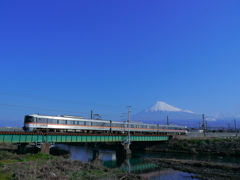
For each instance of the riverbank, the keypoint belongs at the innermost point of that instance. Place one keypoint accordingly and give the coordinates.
(202, 169)
(42, 166)
(205, 146)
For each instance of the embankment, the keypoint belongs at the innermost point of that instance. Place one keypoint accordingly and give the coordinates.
(203, 170)
(43, 166)
(206, 146)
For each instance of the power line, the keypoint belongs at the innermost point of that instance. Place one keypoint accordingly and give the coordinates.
(58, 100)
(19, 106)
(34, 104)
(31, 96)
(59, 110)
(104, 113)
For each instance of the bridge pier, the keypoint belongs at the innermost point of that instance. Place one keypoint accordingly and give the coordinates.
(22, 147)
(126, 148)
(45, 148)
(96, 152)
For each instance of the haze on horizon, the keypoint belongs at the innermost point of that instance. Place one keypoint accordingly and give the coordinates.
(61, 57)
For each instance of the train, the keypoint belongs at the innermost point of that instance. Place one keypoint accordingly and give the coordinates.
(78, 124)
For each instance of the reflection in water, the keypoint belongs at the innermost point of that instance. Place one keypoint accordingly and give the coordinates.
(134, 164)
(86, 153)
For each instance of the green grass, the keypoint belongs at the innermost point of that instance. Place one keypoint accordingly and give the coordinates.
(8, 158)
(6, 176)
(38, 157)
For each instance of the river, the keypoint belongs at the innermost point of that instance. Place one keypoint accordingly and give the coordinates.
(134, 164)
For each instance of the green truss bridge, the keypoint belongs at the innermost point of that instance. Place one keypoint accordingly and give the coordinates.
(45, 141)
(23, 137)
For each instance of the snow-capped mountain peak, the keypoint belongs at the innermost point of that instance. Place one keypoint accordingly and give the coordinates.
(162, 106)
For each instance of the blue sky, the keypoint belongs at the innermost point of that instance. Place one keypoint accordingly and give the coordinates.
(79, 56)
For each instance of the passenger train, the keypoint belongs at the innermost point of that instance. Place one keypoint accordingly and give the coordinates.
(74, 124)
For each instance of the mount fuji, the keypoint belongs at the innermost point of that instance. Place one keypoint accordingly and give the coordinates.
(159, 112)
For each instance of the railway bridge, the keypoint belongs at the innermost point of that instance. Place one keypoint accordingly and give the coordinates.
(45, 141)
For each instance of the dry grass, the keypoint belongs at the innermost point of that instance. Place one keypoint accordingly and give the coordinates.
(41, 166)
(206, 170)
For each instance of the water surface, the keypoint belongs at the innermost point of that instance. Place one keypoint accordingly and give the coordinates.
(132, 165)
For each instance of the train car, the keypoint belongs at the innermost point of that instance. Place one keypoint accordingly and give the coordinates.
(64, 123)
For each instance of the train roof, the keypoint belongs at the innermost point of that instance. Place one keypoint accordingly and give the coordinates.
(96, 120)
(67, 116)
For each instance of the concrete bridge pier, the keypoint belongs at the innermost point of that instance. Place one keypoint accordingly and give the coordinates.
(22, 147)
(96, 152)
(124, 151)
(126, 148)
(45, 148)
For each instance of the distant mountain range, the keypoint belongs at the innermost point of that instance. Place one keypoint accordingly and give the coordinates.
(160, 111)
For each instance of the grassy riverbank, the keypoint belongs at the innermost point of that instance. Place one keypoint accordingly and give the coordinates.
(203, 170)
(209, 146)
(43, 166)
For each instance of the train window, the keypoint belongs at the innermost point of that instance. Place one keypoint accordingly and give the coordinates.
(114, 125)
(75, 122)
(41, 120)
(53, 121)
(86, 123)
(97, 124)
(44, 120)
(81, 122)
(64, 122)
(28, 119)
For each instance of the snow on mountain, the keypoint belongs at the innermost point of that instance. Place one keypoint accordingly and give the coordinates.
(159, 112)
(219, 116)
(162, 106)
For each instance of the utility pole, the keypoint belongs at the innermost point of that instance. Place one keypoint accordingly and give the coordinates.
(206, 126)
(199, 124)
(126, 142)
(235, 127)
(95, 116)
(167, 121)
(203, 125)
(129, 111)
(91, 114)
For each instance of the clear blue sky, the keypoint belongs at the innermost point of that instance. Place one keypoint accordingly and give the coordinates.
(105, 55)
